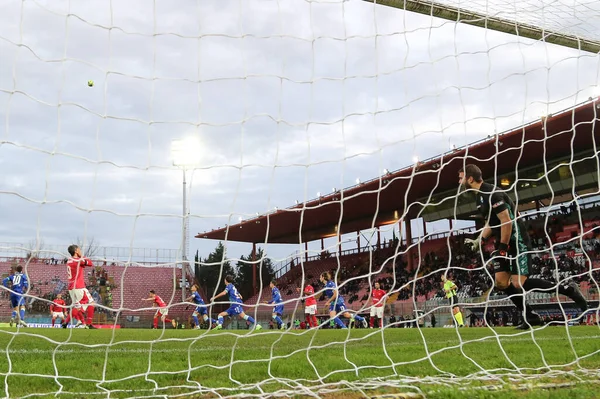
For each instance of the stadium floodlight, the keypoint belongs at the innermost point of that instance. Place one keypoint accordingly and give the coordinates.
(358, 180)
(415, 159)
(185, 153)
(386, 171)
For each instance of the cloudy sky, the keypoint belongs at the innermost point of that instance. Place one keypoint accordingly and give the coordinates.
(288, 98)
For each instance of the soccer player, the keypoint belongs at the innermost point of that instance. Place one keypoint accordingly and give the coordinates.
(310, 306)
(450, 289)
(81, 299)
(511, 263)
(278, 308)
(235, 308)
(57, 309)
(378, 297)
(200, 308)
(20, 284)
(336, 303)
(162, 310)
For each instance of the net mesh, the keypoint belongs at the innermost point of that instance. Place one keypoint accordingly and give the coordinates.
(568, 18)
(287, 99)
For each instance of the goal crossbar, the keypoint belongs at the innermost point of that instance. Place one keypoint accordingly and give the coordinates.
(498, 24)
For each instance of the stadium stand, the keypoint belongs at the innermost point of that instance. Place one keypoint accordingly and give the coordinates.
(113, 286)
(116, 286)
(562, 230)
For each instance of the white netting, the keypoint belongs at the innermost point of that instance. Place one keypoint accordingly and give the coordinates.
(286, 100)
(577, 18)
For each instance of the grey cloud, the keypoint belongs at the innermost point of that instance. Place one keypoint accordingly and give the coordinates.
(346, 108)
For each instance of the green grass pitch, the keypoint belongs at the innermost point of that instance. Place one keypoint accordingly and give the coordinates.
(471, 362)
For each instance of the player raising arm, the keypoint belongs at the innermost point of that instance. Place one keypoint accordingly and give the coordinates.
(81, 299)
(310, 306)
(57, 309)
(19, 287)
(236, 304)
(336, 303)
(450, 289)
(200, 308)
(510, 260)
(378, 297)
(162, 310)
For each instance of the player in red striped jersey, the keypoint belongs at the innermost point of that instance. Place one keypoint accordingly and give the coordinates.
(81, 299)
(310, 305)
(378, 297)
(163, 310)
(57, 309)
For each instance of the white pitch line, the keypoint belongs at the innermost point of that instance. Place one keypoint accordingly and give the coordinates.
(213, 348)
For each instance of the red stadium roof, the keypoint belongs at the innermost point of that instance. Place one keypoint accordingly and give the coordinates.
(383, 200)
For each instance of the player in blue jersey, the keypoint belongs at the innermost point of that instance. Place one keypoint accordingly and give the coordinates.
(336, 303)
(236, 305)
(277, 301)
(200, 308)
(20, 284)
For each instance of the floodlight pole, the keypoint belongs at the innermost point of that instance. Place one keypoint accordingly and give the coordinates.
(177, 146)
(185, 237)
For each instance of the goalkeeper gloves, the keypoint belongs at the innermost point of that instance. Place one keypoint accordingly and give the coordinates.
(474, 244)
(499, 259)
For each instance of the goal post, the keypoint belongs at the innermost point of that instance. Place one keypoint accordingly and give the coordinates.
(474, 18)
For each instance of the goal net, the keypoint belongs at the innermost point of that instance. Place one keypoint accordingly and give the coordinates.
(303, 143)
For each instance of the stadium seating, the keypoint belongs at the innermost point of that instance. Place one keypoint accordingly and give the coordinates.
(128, 285)
(563, 227)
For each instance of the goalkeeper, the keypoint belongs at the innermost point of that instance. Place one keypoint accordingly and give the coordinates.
(510, 259)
